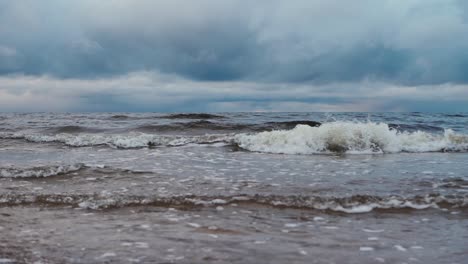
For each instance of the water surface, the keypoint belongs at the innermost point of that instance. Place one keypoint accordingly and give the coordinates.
(233, 188)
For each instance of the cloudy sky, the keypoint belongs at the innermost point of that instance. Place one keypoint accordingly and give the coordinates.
(234, 55)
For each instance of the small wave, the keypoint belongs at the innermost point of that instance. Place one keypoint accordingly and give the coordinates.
(235, 127)
(349, 137)
(11, 135)
(193, 116)
(70, 129)
(352, 204)
(195, 125)
(37, 172)
(453, 183)
(120, 117)
(124, 141)
(198, 125)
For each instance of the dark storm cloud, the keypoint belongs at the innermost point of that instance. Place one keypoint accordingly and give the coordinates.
(234, 55)
(84, 39)
(320, 41)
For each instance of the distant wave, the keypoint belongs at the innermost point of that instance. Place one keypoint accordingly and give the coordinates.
(456, 115)
(120, 117)
(193, 116)
(351, 137)
(287, 124)
(189, 126)
(200, 116)
(350, 204)
(173, 127)
(71, 129)
(197, 125)
(210, 126)
(214, 126)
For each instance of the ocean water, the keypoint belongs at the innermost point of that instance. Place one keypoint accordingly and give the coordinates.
(233, 188)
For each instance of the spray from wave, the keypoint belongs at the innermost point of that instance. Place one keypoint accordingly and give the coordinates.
(351, 137)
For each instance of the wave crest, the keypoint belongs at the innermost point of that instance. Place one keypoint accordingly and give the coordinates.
(351, 137)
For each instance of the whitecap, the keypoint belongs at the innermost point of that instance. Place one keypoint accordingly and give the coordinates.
(351, 138)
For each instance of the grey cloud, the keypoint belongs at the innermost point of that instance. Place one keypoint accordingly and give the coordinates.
(320, 41)
(150, 91)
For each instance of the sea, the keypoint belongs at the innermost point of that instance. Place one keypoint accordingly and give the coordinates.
(234, 188)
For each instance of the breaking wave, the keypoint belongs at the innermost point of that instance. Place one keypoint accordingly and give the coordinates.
(291, 137)
(351, 204)
(351, 137)
(37, 172)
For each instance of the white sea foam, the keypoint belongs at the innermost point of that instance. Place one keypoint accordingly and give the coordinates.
(400, 248)
(393, 203)
(350, 137)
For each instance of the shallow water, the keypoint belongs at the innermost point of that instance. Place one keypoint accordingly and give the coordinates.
(234, 188)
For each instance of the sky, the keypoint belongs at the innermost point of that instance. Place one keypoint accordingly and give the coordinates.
(233, 55)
